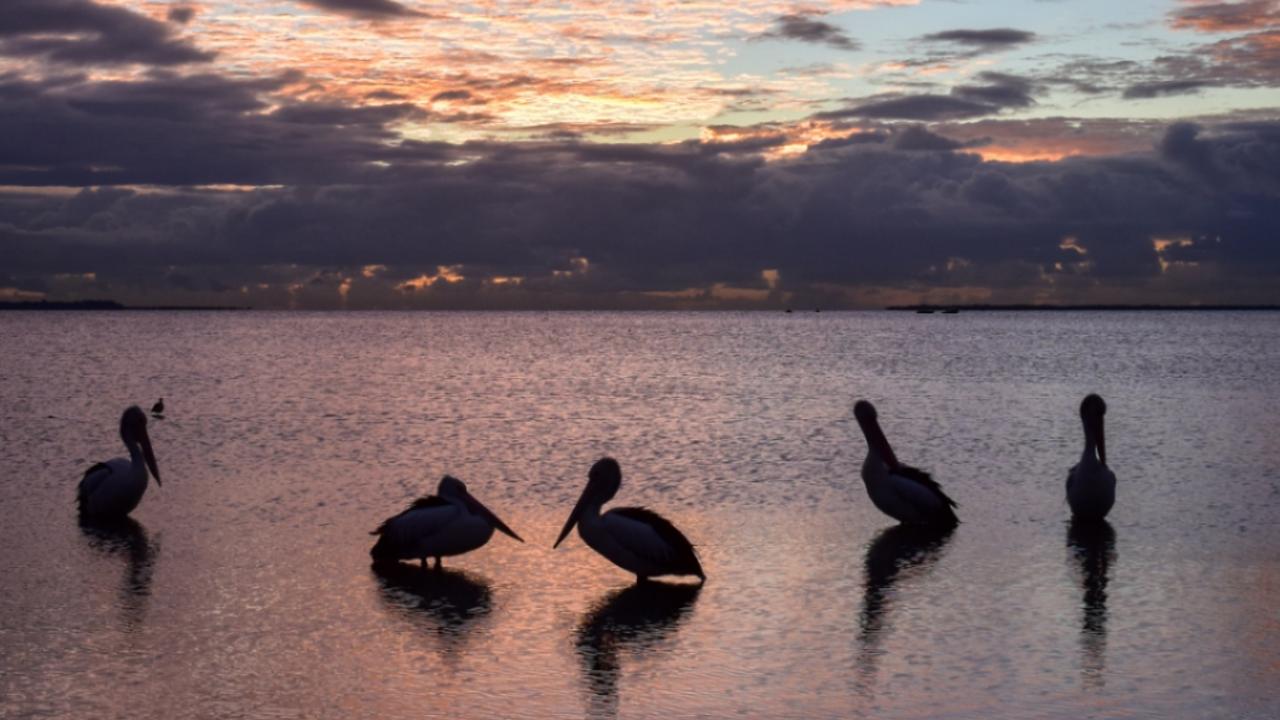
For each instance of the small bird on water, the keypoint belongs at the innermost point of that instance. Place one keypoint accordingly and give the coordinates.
(904, 493)
(112, 489)
(1091, 486)
(158, 408)
(451, 522)
(635, 539)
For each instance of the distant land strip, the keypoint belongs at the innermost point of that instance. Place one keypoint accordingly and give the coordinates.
(99, 305)
(1078, 308)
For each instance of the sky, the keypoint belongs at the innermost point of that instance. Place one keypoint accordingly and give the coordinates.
(583, 154)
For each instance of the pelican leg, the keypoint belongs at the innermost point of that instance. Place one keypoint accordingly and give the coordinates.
(437, 562)
(642, 579)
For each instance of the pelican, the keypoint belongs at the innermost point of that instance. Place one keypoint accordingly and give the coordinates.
(635, 539)
(112, 489)
(451, 522)
(158, 408)
(900, 491)
(1091, 486)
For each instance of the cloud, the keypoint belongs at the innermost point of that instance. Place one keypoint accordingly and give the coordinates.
(80, 31)
(1164, 88)
(1227, 16)
(365, 9)
(913, 107)
(805, 28)
(983, 40)
(1001, 91)
(181, 14)
(854, 220)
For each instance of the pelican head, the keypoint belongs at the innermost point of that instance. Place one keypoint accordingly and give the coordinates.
(866, 415)
(133, 431)
(1092, 409)
(451, 488)
(603, 481)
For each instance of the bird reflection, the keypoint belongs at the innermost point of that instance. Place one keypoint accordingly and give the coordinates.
(638, 619)
(897, 552)
(443, 602)
(1092, 549)
(127, 539)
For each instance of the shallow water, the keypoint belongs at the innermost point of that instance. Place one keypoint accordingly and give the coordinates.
(243, 588)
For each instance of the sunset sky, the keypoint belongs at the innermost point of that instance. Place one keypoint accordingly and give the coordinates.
(590, 154)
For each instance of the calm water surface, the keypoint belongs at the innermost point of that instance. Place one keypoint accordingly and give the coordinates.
(243, 588)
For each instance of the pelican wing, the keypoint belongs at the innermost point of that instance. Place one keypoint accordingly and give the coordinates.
(652, 537)
(92, 480)
(423, 502)
(926, 481)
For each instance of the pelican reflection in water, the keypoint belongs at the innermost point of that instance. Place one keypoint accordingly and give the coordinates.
(1091, 548)
(637, 619)
(443, 603)
(127, 540)
(897, 553)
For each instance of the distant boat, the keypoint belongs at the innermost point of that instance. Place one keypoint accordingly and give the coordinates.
(112, 489)
(950, 311)
(924, 311)
(635, 539)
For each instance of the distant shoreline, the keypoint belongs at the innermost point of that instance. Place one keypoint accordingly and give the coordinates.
(112, 305)
(101, 305)
(946, 309)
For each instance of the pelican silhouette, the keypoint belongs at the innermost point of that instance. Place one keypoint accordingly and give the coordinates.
(452, 522)
(900, 491)
(112, 489)
(1091, 486)
(635, 539)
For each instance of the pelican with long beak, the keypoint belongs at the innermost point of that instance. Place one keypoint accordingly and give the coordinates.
(1091, 486)
(112, 489)
(635, 539)
(451, 522)
(902, 492)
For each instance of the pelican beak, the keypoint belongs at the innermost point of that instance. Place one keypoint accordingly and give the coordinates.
(1101, 437)
(150, 456)
(573, 517)
(478, 508)
(875, 437)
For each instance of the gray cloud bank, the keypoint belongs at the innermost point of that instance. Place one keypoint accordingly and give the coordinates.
(330, 208)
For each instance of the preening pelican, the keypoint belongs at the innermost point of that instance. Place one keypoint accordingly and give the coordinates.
(900, 491)
(635, 539)
(1091, 486)
(112, 489)
(451, 522)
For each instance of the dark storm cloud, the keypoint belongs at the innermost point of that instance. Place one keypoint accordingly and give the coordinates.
(888, 209)
(806, 28)
(190, 129)
(365, 9)
(983, 40)
(80, 31)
